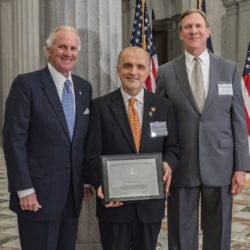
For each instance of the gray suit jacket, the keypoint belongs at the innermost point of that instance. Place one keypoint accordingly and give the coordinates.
(213, 144)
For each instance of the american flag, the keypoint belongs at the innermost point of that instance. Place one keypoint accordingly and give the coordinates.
(246, 96)
(246, 89)
(201, 5)
(142, 37)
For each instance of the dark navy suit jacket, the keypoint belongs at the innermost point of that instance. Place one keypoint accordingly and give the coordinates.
(37, 145)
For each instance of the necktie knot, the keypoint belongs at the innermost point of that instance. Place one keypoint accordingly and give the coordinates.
(196, 59)
(132, 101)
(67, 85)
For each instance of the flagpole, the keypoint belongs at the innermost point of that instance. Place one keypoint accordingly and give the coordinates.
(143, 42)
(199, 4)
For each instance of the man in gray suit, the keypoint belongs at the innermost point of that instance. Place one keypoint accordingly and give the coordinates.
(212, 137)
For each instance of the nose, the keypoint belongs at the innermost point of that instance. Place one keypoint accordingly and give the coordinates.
(67, 51)
(133, 70)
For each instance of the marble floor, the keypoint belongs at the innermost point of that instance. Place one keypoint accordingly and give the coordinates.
(240, 229)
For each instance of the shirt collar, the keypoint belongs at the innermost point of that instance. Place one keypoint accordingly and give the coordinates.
(204, 57)
(57, 76)
(139, 97)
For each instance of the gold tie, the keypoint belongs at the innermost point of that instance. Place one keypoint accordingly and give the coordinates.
(197, 84)
(134, 122)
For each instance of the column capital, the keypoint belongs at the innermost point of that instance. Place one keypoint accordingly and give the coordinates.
(228, 3)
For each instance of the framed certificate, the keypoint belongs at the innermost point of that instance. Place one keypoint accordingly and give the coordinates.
(132, 177)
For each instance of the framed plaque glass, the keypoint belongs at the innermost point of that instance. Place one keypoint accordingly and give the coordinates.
(131, 177)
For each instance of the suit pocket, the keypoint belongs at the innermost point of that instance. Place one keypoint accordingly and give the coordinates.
(226, 142)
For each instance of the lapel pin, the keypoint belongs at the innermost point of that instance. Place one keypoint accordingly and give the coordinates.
(152, 110)
(80, 92)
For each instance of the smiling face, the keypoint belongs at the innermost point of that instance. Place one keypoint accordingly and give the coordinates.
(194, 33)
(133, 69)
(64, 51)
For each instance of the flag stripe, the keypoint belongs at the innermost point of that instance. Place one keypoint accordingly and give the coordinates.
(142, 37)
(246, 91)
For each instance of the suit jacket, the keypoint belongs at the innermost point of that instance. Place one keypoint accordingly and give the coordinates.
(37, 145)
(109, 133)
(213, 144)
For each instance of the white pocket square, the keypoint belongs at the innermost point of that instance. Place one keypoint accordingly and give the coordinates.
(86, 111)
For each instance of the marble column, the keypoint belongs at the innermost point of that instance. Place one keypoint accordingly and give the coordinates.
(244, 31)
(20, 45)
(230, 31)
(99, 25)
(236, 32)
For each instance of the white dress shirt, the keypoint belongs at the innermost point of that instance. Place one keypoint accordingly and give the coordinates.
(138, 104)
(205, 66)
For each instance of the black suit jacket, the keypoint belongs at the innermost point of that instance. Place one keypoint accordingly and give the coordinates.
(109, 133)
(37, 145)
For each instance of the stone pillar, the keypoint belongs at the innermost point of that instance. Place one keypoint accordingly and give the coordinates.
(99, 25)
(230, 31)
(244, 31)
(20, 46)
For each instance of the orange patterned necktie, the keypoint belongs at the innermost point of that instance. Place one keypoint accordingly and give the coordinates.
(134, 122)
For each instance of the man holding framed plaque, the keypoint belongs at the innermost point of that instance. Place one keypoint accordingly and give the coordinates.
(131, 150)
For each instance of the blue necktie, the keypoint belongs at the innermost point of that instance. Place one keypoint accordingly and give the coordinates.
(68, 107)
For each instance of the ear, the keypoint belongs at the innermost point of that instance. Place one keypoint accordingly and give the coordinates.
(208, 33)
(180, 36)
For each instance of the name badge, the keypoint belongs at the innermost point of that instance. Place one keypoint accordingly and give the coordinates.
(225, 88)
(158, 129)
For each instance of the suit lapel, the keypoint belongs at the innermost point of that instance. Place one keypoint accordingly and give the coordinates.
(118, 109)
(51, 92)
(181, 75)
(81, 102)
(214, 72)
(148, 104)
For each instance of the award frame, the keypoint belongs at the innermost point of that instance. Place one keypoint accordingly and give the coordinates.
(132, 177)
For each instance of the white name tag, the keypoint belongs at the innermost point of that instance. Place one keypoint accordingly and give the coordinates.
(158, 129)
(225, 88)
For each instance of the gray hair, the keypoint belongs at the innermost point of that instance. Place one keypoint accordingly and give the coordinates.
(51, 37)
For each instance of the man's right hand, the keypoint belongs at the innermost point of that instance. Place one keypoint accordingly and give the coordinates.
(29, 203)
(111, 203)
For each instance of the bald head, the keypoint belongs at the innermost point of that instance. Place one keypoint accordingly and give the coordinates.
(133, 69)
(133, 49)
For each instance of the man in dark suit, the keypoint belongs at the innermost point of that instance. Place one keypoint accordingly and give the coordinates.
(44, 152)
(131, 225)
(212, 137)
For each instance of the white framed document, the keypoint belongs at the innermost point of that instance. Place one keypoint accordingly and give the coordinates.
(132, 177)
